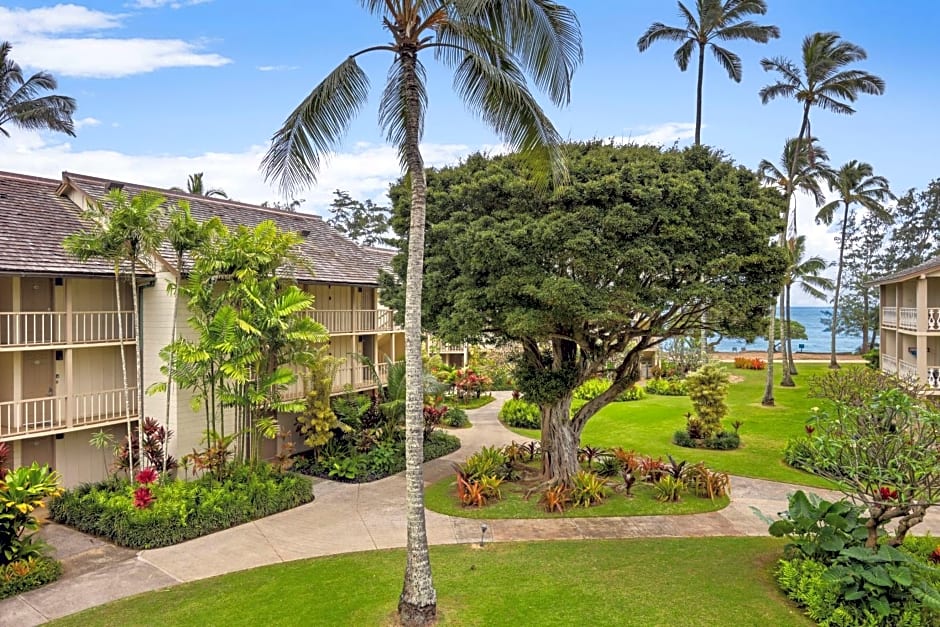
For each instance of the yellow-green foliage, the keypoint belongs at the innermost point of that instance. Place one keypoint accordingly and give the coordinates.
(708, 389)
(318, 421)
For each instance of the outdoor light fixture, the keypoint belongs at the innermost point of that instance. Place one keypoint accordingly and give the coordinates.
(483, 529)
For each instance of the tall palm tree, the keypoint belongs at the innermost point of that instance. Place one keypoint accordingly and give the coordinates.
(491, 45)
(713, 20)
(195, 185)
(21, 103)
(855, 183)
(806, 273)
(822, 81)
(811, 167)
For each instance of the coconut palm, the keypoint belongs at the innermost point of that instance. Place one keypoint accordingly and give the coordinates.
(491, 45)
(822, 81)
(807, 274)
(195, 185)
(21, 103)
(713, 20)
(856, 184)
(806, 171)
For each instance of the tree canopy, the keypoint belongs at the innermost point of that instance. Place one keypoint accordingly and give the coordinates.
(637, 246)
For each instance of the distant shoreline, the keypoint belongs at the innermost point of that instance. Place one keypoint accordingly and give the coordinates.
(797, 356)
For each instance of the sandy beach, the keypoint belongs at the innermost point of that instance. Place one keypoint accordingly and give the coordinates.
(797, 356)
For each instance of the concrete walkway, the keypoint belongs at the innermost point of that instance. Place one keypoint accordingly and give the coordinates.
(355, 517)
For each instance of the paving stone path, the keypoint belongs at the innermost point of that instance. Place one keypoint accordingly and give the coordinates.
(353, 517)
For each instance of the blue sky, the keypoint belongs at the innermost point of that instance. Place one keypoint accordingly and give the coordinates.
(166, 88)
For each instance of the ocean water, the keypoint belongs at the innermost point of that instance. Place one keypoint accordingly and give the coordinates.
(818, 338)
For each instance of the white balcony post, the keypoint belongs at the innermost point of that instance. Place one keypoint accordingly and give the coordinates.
(922, 328)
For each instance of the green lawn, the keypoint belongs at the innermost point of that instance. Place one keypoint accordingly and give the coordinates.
(470, 403)
(647, 426)
(441, 497)
(701, 581)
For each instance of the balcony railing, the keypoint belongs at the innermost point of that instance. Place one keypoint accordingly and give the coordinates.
(907, 318)
(61, 413)
(933, 377)
(933, 318)
(907, 370)
(354, 320)
(50, 328)
(889, 364)
(889, 317)
(357, 377)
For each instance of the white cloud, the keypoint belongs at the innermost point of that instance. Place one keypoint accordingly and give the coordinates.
(19, 24)
(173, 4)
(365, 171)
(89, 121)
(40, 41)
(278, 68)
(660, 134)
(113, 58)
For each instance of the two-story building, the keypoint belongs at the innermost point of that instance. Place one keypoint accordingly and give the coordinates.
(62, 333)
(910, 324)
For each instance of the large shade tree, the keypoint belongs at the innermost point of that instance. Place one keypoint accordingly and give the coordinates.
(856, 184)
(640, 244)
(491, 46)
(713, 20)
(23, 103)
(824, 79)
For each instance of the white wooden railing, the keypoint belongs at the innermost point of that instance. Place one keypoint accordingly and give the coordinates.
(354, 320)
(907, 318)
(933, 377)
(907, 370)
(889, 364)
(357, 377)
(889, 317)
(59, 413)
(49, 328)
(933, 318)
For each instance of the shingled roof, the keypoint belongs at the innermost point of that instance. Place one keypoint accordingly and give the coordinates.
(34, 220)
(931, 265)
(333, 257)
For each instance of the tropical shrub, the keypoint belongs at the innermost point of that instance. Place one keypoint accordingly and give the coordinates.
(179, 510)
(668, 488)
(748, 363)
(6, 454)
(455, 418)
(556, 499)
(25, 574)
(588, 489)
(591, 389)
(708, 388)
(666, 387)
(521, 414)
(21, 492)
(632, 393)
(723, 441)
(489, 461)
(707, 483)
(155, 440)
(469, 384)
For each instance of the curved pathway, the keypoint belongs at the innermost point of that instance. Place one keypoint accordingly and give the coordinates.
(357, 517)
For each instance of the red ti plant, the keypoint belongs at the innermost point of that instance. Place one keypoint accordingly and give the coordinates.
(887, 494)
(146, 476)
(143, 497)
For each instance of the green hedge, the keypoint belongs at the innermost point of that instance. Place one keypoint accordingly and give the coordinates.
(521, 414)
(23, 576)
(667, 387)
(183, 509)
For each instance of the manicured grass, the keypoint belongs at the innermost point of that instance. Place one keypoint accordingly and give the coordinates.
(700, 581)
(470, 403)
(647, 426)
(442, 498)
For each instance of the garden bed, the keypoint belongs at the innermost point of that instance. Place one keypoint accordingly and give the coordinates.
(378, 463)
(28, 574)
(180, 510)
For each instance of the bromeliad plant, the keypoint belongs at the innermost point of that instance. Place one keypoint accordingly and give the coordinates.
(21, 492)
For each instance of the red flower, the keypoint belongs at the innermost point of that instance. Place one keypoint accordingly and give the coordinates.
(143, 497)
(887, 494)
(147, 476)
(809, 429)
(935, 556)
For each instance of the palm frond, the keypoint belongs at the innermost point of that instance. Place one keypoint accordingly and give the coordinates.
(394, 109)
(728, 60)
(691, 22)
(826, 212)
(748, 30)
(683, 54)
(315, 127)
(660, 32)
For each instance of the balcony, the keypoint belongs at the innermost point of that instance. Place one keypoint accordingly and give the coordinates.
(907, 318)
(889, 317)
(356, 377)
(27, 329)
(53, 414)
(933, 318)
(933, 378)
(889, 364)
(907, 370)
(355, 321)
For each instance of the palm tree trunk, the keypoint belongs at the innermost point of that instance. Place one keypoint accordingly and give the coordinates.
(790, 363)
(835, 295)
(418, 602)
(865, 307)
(138, 362)
(768, 400)
(169, 376)
(787, 380)
(698, 94)
(127, 396)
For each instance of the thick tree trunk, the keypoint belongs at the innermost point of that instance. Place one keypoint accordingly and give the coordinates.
(560, 442)
(787, 380)
(790, 362)
(127, 396)
(698, 94)
(768, 400)
(418, 602)
(835, 295)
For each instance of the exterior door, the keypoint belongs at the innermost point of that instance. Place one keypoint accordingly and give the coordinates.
(41, 450)
(39, 408)
(36, 298)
